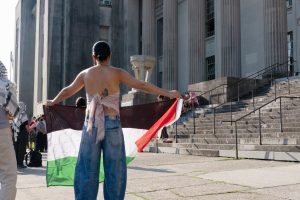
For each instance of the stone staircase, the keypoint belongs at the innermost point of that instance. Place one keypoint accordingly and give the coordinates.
(276, 145)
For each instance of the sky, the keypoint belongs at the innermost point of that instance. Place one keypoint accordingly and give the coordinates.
(7, 32)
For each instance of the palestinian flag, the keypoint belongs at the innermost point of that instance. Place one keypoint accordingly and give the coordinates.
(64, 125)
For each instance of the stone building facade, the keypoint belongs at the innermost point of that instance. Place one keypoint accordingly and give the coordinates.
(58, 48)
(192, 40)
(24, 51)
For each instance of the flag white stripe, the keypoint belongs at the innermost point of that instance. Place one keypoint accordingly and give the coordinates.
(66, 142)
(63, 143)
(178, 114)
(131, 135)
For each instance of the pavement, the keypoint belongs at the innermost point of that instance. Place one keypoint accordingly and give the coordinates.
(176, 177)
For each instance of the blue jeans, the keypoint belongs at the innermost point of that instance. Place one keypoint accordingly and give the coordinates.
(114, 160)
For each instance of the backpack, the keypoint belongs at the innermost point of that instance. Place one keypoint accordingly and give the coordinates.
(35, 159)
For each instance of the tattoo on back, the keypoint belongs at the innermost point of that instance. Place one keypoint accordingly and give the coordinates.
(105, 92)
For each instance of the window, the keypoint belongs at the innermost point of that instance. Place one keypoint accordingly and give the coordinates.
(40, 66)
(17, 35)
(140, 27)
(290, 51)
(105, 3)
(16, 53)
(210, 18)
(210, 64)
(159, 51)
(140, 37)
(289, 3)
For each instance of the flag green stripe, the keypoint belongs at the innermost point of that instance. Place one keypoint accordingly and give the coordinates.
(61, 172)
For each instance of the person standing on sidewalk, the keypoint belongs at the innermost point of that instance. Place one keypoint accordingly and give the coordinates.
(102, 129)
(8, 164)
(42, 144)
(32, 134)
(21, 127)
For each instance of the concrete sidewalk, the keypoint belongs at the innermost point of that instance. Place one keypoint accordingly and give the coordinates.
(178, 177)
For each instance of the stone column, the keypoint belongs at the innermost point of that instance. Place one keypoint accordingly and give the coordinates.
(275, 23)
(196, 17)
(142, 66)
(296, 10)
(148, 29)
(39, 47)
(228, 38)
(131, 30)
(170, 44)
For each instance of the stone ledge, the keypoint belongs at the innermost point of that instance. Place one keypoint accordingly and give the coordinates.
(265, 155)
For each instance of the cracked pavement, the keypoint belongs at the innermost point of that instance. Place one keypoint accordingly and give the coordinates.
(167, 176)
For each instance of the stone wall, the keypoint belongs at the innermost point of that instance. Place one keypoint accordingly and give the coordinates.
(225, 89)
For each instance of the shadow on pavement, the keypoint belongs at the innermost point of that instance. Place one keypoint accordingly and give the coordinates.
(151, 170)
(38, 171)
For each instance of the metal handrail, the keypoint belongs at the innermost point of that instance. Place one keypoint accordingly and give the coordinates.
(259, 119)
(258, 73)
(209, 91)
(269, 69)
(253, 78)
(233, 84)
(228, 86)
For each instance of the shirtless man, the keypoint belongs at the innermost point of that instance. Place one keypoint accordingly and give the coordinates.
(102, 129)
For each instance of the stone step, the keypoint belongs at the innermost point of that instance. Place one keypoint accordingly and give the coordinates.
(247, 147)
(270, 141)
(264, 155)
(240, 130)
(265, 95)
(292, 112)
(246, 120)
(276, 148)
(240, 126)
(184, 151)
(198, 146)
(242, 122)
(279, 90)
(274, 141)
(249, 105)
(267, 109)
(286, 110)
(240, 135)
(257, 103)
(276, 145)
